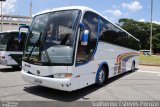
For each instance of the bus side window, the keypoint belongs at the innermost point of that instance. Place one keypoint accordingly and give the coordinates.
(13, 43)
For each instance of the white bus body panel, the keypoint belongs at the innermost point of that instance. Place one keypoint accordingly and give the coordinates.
(86, 73)
(8, 60)
(108, 53)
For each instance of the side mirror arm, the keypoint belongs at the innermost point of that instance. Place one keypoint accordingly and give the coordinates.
(20, 27)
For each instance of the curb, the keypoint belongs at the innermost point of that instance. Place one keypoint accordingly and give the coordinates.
(147, 64)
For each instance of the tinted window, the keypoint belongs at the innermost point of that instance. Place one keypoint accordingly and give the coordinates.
(107, 33)
(132, 43)
(14, 44)
(111, 34)
(3, 41)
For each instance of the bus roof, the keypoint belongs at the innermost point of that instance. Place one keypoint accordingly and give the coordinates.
(144, 50)
(11, 31)
(82, 8)
(8, 31)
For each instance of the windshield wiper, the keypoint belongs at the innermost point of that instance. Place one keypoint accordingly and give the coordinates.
(45, 51)
(35, 45)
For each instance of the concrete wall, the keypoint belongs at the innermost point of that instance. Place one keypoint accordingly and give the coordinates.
(13, 22)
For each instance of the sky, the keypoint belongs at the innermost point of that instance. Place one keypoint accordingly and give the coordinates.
(139, 10)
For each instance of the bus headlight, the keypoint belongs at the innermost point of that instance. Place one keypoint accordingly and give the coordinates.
(62, 75)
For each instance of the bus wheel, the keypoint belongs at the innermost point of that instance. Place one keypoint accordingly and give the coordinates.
(133, 67)
(101, 77)
(16, 67)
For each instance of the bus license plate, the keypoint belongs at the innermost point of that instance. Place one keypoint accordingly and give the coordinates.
(38, 81)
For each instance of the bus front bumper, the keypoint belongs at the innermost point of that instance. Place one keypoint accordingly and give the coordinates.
(60, 84)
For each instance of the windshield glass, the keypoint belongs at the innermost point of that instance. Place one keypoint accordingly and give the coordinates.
(3, 41)
(52, 38)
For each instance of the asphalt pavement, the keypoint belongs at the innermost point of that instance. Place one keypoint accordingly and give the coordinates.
(141, 85)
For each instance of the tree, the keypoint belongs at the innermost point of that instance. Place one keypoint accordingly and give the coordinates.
(140, 30)
(156, 43)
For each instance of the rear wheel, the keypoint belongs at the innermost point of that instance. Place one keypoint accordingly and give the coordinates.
(133, 67)
(101, 77)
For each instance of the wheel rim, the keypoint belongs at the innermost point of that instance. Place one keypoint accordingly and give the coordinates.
(101, 76)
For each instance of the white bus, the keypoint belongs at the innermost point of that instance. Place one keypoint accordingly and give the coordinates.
(73, 47)
(11, 48)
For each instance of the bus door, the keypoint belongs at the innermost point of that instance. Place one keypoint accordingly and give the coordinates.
(15, 48)
(86, 67)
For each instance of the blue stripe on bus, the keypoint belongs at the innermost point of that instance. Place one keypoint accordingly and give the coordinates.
(103, 63)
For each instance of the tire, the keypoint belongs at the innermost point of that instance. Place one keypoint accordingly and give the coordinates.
(133, 67)
(16, 67)
(101, 77)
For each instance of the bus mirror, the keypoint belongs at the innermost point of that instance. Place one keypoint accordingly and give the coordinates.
(22, 26)
(84, 39)
(82, 26)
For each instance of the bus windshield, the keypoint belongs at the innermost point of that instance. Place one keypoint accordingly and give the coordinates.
(52, 38)
(3, 41)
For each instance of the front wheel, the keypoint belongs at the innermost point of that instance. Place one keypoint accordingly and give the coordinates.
(101, 77)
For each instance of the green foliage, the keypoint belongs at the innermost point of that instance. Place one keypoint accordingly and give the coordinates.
(150, 60)
(140, 30)
(156, 43)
